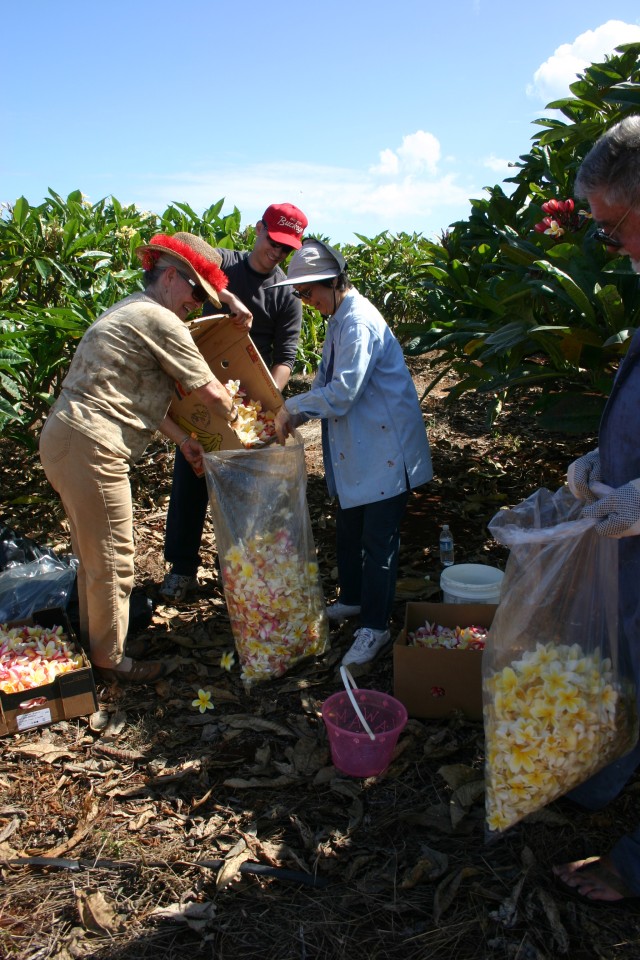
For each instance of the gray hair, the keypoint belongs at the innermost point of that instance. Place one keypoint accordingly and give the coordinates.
(613, 165)
(163, 263)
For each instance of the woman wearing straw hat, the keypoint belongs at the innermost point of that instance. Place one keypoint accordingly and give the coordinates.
(115, 396)
(374, 441)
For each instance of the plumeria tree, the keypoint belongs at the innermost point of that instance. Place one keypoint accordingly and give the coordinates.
(62, 263)
(522, 295)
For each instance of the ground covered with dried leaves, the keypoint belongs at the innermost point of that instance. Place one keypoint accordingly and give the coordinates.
(155, 831)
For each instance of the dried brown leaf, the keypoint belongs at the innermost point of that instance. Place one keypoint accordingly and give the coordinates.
(231, 868)
(429, 867)
(42, 750)
(237, 783)
(96, 913)
(99, 720)
(550, 908)
(464, 798)
(7, 852)
(507, 912)
(9, 829)
(457, 774)
(307, 756)
(447, 890)
(134, 825)
(437, 816)
(117, 723)
(243, 721)
(176, 773)
(197, 916)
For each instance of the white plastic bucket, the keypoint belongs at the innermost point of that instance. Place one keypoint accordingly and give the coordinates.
(471, 583)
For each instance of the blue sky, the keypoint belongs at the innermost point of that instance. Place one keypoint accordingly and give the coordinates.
(368, 116)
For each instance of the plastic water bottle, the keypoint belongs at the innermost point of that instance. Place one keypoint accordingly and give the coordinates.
(446, 546)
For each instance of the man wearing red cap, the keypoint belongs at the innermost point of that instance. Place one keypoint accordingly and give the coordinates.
(276, 320)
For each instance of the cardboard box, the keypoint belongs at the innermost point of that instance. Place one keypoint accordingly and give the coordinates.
(420, 674)
(231, 355)
(71, 695)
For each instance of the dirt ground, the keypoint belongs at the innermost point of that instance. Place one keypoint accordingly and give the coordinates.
(168, 833)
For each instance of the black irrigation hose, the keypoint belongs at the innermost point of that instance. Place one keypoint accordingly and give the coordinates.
(248, 867)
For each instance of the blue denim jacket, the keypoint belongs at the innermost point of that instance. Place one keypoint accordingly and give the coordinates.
(376, 441)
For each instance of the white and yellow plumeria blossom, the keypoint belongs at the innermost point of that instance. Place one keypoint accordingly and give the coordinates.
(32, 656)
(254, 425)
(275, 604)
(203, 701)
(551, 720)
(554, 229)
(227, 660)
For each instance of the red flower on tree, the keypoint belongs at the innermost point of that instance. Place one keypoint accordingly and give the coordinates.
(561, 216)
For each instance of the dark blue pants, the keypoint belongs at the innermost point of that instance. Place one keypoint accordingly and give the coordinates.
(185, 519)
(368, 544)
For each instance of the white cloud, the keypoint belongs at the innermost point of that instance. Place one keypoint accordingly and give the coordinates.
(497, 164)
(404, 192)
(389, 164)
(552, 78)
(418, 152)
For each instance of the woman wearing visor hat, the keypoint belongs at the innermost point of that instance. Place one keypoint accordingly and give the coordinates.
(374, 441)
(115, 396)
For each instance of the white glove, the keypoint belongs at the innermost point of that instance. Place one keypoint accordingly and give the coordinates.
(582, 473)
(618, 512)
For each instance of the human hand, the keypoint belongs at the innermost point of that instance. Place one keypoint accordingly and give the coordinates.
(284, 425)
(193, 451)
(582, 473)
(618, 513)
(242, 316)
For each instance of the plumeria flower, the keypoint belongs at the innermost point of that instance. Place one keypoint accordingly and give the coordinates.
(227, 660)
(31, 656)
(254, 425)
(554, 229)
(203, 701)
(275, 602)
(552, 718)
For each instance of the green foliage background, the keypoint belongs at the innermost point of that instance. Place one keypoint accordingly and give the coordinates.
(505, 308)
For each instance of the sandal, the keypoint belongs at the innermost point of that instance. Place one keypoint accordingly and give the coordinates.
(142, 671)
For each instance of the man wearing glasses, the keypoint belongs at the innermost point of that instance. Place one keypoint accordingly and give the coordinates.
(275, 316)
(609, 178)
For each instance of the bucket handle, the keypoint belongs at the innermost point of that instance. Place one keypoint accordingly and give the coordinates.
(349, 682)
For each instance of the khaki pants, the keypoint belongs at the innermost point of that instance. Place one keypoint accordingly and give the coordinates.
(94, 487)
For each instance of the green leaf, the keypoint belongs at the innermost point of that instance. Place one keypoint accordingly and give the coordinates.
(569, 285)
(21, 211)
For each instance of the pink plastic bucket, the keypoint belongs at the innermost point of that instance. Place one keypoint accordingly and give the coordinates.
(354, 750)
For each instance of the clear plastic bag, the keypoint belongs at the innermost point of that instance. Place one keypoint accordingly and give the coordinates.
(267, 556)
(43, 583)
(559, 697)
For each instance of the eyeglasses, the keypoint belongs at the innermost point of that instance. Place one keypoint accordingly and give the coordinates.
(279, 246)
(303, 294)
(198, 292)
(607, 238)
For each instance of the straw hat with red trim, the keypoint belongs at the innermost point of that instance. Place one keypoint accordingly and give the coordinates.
(202, 261)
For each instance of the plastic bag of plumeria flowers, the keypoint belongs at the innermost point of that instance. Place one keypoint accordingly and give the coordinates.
(267, 556)
(559, 699)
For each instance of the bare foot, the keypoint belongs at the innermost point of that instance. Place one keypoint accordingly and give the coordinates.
(595, 878)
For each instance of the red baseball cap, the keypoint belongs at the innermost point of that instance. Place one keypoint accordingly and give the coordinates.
(285, 224)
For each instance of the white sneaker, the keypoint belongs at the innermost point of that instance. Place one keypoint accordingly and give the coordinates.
(341, 611)
(367, 644)
(176, 586)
